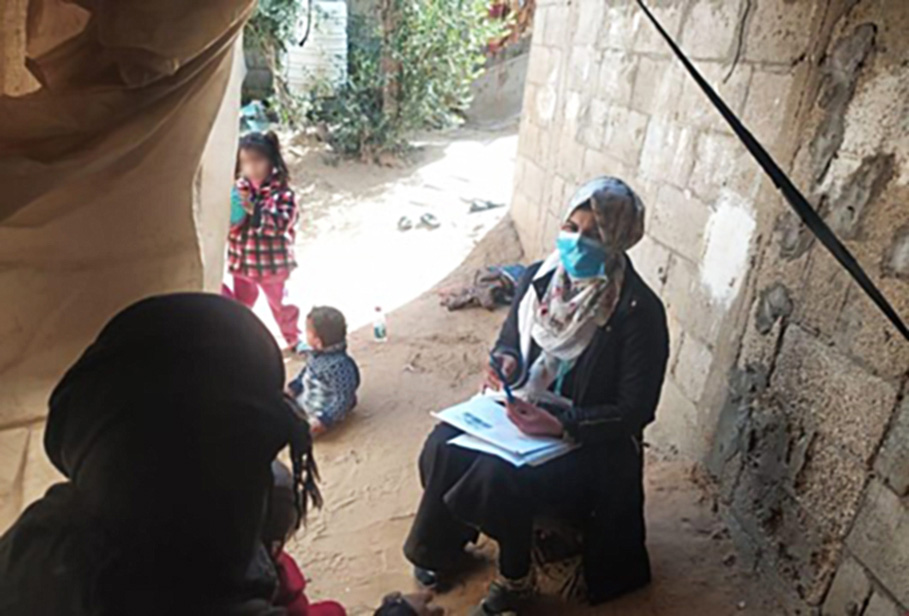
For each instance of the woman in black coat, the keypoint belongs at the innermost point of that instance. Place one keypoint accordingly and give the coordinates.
(585, 348)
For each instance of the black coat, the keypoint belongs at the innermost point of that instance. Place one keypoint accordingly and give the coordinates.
(615, 387)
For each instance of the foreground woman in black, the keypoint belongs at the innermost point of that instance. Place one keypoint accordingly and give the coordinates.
(585, 347)
(165, 430)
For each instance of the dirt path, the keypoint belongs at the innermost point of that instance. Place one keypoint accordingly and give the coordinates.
(351, 254)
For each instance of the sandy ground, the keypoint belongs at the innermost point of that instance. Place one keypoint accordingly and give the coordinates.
(352, 256)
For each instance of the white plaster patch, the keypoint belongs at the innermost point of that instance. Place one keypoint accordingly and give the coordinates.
(727, 245)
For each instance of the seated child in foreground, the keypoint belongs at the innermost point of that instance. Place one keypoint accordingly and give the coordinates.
(326, 388)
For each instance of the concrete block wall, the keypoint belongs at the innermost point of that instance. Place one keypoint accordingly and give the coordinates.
(784, 379)
(604, 96)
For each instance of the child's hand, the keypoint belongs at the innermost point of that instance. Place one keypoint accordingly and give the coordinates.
(246, 198)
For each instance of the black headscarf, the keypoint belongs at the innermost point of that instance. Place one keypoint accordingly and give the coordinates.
(166, 428)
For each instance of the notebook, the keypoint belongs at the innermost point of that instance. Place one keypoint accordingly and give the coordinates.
(488, 430)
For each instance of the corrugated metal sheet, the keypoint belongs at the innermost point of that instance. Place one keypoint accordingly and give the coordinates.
(324, 56)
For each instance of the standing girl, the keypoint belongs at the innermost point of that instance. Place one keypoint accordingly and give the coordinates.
(261, 245)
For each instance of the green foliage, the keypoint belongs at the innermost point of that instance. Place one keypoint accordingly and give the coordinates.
(272, 24)
(270, 29)
(416, 76)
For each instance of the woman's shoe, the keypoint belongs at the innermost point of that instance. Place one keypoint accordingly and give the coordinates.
(427, 578)
(505, 597)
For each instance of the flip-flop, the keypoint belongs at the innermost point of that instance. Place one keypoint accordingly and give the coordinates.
(429, 221)
(481, 205)
(405, 224)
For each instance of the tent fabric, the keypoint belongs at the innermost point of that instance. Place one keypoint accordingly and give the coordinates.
(109, 91)
(116, 173)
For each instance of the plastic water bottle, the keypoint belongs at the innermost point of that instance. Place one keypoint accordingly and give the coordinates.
(380, 326)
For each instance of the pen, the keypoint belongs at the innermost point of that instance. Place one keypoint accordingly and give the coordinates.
(494, 363)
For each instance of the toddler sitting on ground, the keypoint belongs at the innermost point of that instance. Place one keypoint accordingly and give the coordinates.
(326, 388)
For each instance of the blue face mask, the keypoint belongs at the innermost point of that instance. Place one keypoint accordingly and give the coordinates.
(581, 256)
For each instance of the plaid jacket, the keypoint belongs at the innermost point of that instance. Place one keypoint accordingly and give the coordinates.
(262, 244)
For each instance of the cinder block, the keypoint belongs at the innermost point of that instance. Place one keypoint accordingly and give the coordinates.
(863, 330)
(694, 108)
(892, 462)
(722, 162)
(692, 367)
(651, 260)
(710, 30)
(767, 107)
(542, 63)
(687, 301)
(615, 81)
(823, 293)
(849, 591)
(583, 65)
(780, 31)
(543, 104)
(570, 161)
(820, 383)
(534, 143)
(534, 180)
(880, 539)
(794, 549)
(551, 226)
(623, 135)
(674, 430)
(679, 220)
(881, 605)
(669, 152)
(556, 25)
(826, 482)
(588, 23)
(648, 39)
(620, 24)
(593, 123)
(658, 86)
(597, 163)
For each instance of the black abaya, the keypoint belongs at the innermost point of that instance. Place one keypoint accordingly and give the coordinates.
(614, 388)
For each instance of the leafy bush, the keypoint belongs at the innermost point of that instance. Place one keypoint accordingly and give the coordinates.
(411, 74)
(270, 29)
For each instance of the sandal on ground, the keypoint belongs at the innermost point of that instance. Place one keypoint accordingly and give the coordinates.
(405, 223)
(430, 221)
(482, 205)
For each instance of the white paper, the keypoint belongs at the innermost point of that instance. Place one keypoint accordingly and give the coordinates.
(484, 418)
(536, 458)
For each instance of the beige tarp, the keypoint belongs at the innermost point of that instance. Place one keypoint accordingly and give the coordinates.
(114, 183)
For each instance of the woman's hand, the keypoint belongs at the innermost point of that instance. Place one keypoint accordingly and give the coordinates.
(532, 420)
(509, 366)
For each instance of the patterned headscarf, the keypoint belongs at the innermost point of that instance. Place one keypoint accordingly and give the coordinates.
(565, 319)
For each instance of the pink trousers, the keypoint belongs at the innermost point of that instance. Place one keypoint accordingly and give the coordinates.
(246, 291)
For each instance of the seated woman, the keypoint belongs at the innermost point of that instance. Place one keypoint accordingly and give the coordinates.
(165, 429)
(585, 349)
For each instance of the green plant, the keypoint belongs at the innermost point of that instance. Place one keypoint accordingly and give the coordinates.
(270, 29)
(412, 71)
